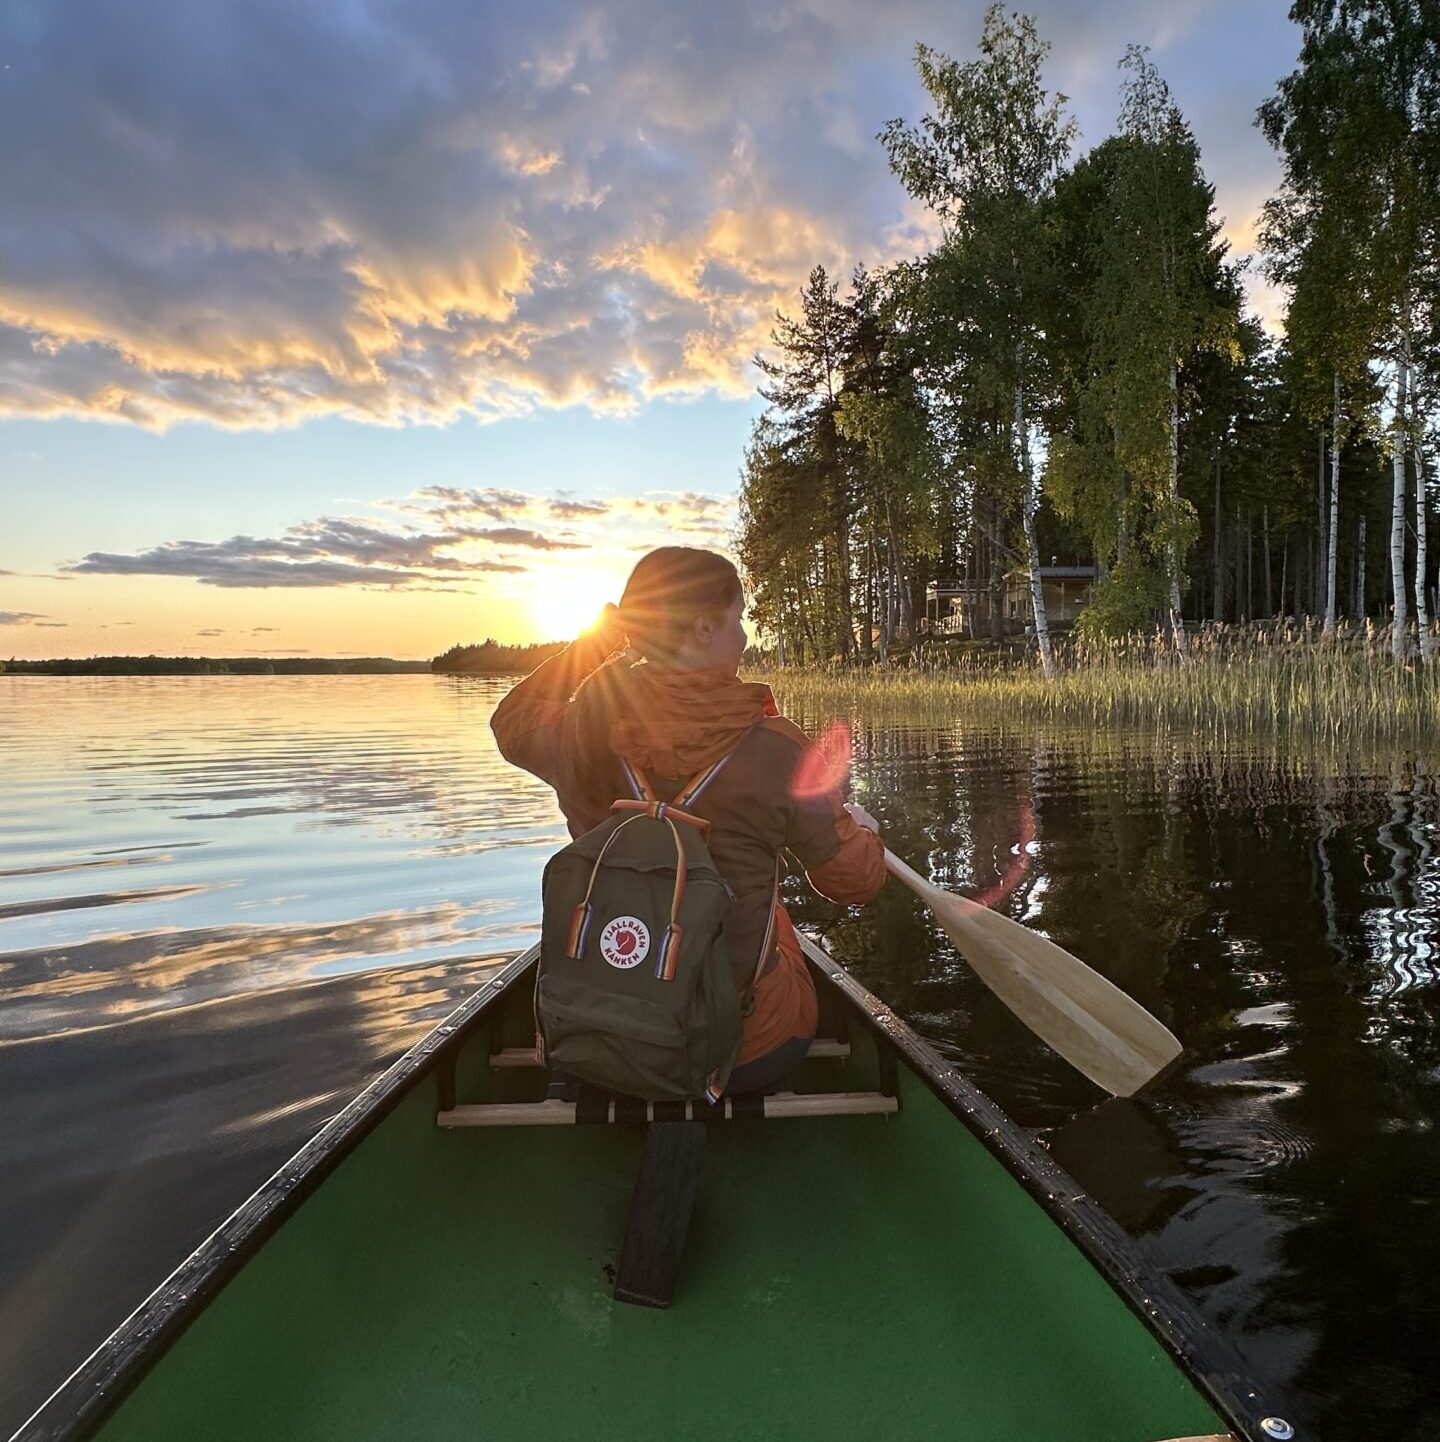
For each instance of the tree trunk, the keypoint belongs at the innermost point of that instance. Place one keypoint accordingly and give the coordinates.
(845, 621)
(807, 617)
(1334, 531)
(1242, 601)
(1249, 563)
(997, 573)
(1360, 570)
(1030, 488)
(887, 610)
(1397, 505)
(905, 607)
(867, 637)
(1317, 595)
(1422, 563)
(1269, 610)
(1177, 620)
(1217, 609)
(1284, 570)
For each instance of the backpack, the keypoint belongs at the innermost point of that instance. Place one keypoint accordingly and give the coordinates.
(634, 991)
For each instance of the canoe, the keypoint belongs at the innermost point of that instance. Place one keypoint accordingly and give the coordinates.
(882, 1253)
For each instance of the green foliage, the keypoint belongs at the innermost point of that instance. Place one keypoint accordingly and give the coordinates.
(1087, 314)
(492, 657)
(1126, 601)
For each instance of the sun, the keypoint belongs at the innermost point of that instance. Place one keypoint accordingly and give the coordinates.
(566, 601)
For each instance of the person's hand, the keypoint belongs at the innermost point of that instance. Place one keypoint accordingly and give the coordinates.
(609, 629)
(862, 817)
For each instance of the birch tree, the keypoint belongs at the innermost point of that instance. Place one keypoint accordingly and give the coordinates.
(1166, 304)
(985, 159)
(1356, 124)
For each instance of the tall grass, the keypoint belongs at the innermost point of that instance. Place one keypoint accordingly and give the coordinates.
(1279, 680)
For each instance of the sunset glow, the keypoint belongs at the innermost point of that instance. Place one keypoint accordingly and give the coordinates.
(318, 351)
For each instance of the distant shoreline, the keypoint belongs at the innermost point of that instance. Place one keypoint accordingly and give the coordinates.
(214, 666)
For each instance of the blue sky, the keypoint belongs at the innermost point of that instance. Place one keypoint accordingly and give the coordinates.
(271, 273)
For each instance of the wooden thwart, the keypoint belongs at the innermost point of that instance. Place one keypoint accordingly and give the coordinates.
(562, 1113)
(524, 1056)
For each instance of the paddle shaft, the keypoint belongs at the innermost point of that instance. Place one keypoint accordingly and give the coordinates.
(912, 878)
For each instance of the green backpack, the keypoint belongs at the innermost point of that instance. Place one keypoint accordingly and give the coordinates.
(634, 991)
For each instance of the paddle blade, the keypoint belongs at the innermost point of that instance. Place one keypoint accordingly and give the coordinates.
(1094, 1025)
(1074, 1010)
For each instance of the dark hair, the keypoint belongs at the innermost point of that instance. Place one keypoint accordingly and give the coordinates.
(669, 590)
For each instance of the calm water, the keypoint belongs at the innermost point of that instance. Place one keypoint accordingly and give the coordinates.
(225, 903)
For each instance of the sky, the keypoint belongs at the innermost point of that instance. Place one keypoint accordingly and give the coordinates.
(371, 326)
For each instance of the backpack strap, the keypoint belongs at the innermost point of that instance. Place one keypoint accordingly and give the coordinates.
(691, 790)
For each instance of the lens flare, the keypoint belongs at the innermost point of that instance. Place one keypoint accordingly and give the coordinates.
(825, 767)
(1018, 864)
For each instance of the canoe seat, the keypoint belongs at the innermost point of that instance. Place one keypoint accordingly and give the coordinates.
(524, 1056)
(668, 1180)
(669, 1176)
(604, 1107)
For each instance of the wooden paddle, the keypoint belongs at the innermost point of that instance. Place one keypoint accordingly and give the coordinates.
(1092, 1023)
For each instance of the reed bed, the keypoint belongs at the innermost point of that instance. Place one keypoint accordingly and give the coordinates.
(1277, 680)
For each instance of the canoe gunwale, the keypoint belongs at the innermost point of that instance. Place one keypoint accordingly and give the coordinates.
(1201, 1352)
(78, 1406)
(82, 1402)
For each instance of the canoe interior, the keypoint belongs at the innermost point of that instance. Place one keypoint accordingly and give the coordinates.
(847, 1276)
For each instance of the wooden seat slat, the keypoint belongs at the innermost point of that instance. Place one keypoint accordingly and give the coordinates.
(784, 1104)
(524, 1056)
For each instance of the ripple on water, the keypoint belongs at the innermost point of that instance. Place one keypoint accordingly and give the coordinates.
(275, 883)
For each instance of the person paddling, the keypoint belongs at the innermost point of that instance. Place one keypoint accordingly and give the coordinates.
(652, 690)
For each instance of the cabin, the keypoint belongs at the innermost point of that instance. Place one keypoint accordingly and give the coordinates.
(962, 608)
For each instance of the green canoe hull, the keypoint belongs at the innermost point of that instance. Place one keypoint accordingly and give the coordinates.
(844, 1276)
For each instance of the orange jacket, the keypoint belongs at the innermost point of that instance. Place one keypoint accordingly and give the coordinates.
(576, 720)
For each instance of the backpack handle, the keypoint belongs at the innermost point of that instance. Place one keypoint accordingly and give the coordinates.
(664, 811)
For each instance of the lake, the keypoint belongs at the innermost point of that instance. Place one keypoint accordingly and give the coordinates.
(227, 902)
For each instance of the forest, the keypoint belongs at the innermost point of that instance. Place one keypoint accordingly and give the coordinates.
(1073, 376)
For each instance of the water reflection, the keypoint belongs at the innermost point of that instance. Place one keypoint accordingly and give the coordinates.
(226, 901)
(1279, 913)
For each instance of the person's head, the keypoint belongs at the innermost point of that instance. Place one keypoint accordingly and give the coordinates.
(682, 607)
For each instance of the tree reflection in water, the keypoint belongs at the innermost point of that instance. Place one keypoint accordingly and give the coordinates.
(1279, 913)
(226, 902)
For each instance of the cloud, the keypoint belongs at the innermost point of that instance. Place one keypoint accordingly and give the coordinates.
(394, 212)
(20, 618)
(210, 633)
(435, 548)
(517, 536)
(575, 510)
(451, 502)
(329, 552)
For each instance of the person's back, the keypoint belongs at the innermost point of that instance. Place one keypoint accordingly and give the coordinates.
(598, 725)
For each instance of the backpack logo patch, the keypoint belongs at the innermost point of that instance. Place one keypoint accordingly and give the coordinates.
(625, 942)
